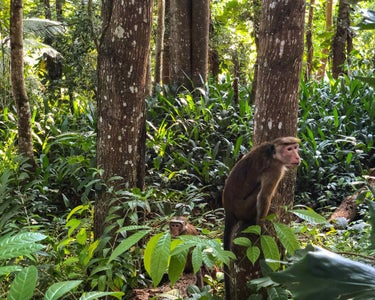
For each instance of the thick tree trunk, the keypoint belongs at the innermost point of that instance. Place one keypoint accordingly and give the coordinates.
(200, 40)
(281, 39)
(25, 141)
(122, 78)
(339, 49)
(189, 33)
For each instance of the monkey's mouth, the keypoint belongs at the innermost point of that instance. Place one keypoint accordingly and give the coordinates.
(293, 165)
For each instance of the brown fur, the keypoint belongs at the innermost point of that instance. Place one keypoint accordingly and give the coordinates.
(251, 184)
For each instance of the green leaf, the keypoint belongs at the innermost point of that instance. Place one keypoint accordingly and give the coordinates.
(270, 251)
(9, 269)
(254, 229)
(160, 257)
(242, 241)
(147, 256)
(309, 215)
(286, 237)
(59, 289)
(20, 244)
(196, 258)
(98, 295)
(320, 271)
(253, 254)
(127, 243)
(177, 265)
(23, 285)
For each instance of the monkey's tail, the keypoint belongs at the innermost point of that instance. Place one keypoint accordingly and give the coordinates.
(227, 240)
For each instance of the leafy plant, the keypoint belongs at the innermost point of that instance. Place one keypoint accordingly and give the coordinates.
(318, 270)
(163, 255)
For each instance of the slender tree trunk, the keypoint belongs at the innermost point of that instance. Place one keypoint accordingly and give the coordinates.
(159, 47)
(25, 141)
(342, 36)
(122, 88)
(257, 9)
(309, 41)
(329, 22)
(166, 67)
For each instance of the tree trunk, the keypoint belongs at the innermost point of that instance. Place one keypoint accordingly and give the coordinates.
(309, 41)
(166, 68)
(281, 39)
(159, 47)
(189, 33)
(340, 39)
(329, 22)
(25, 141)
(200, 39)
(257, 10)
(122, 75)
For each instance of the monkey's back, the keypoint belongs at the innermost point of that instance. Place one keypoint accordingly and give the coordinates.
(244, 182)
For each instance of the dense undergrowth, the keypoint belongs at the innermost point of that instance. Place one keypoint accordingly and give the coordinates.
(192, 144)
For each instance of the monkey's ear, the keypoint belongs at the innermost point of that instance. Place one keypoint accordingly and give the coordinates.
(271, 149)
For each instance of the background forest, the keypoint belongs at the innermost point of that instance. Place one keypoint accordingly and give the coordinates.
(49, 242)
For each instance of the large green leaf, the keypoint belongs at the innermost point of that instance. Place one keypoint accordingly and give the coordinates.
(321, 271)
(127, 243)
(20, 244)
(23, 285)
(270, 251)
(286, 237)
(309, 215)
(177, 265)
(59, 289)
(160, 257)
(147, 255)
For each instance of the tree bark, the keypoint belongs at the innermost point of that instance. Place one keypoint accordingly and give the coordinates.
(25, 141)
(309, 41)
(339, 49)
(281, 39)
(122, 78)
(189, 33)
(159, 47)
(200, 40)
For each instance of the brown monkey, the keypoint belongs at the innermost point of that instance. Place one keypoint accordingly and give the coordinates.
(251, 184)
(179, 226)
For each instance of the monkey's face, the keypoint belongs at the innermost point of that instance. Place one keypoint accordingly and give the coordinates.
(288, 155)
(176, 228)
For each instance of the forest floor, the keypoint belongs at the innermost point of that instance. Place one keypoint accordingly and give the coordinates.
(165, 291)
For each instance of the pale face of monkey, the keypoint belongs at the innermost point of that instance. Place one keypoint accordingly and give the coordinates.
(288, 155)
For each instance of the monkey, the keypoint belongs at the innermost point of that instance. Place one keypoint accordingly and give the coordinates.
(180, 226)
(252, 183)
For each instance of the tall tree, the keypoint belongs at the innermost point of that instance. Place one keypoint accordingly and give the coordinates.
(122, 73)
(25, 141)
(281, 38)
(328, 29)
(309, 41)
(342, 41)
(189, 32)
(159, 44)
